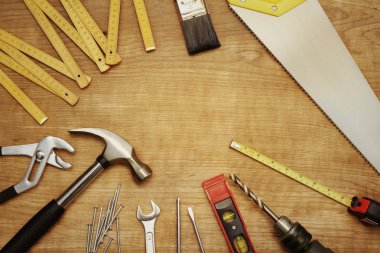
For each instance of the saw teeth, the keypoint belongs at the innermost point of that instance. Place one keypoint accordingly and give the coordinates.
(319, 108)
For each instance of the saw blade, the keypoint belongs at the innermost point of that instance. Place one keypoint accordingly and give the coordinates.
(305, 42)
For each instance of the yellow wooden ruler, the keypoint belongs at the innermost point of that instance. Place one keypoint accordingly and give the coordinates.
(63, 24)
(146, 31)
(291, 173)
(113, 32)
(14, 65)
(91, 25)
(58, 44)
(22, 98)
(95, 52)
(41, 74)
(35, 53)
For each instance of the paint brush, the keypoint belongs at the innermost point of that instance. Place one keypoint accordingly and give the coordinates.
(197, 27)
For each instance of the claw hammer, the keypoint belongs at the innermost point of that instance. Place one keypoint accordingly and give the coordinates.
(117, 150)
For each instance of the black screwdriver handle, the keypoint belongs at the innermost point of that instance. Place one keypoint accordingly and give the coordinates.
(317, 247)
(8, 194)
(36, 227)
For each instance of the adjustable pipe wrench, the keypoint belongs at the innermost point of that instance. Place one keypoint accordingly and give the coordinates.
(42, 152)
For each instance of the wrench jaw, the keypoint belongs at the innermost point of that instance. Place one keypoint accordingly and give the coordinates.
(148, 221)
(146, 217)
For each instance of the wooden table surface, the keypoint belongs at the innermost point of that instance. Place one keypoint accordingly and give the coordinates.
(181, 112)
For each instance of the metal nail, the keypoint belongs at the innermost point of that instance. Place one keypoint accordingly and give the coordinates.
(108, 245)
(118, 235)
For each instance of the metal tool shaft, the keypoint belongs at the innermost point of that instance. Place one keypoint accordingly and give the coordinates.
(191, 214)
(252, 196)
(178, 226)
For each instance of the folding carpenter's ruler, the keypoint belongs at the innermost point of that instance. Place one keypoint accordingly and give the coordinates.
(91, 25)
(146, 31)
(49, 82)
(113, 32)
(22, 98)
(90, 43)
(63, 24)
(14, 65)
(35, 53)
(82, 79)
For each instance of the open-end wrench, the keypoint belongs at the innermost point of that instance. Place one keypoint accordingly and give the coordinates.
(148, 220)
(42, 152)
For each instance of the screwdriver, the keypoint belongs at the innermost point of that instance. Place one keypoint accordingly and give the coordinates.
(292, 234)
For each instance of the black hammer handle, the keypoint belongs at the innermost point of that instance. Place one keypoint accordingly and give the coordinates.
(36, 227)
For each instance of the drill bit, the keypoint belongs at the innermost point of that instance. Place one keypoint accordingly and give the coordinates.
(294, 236)
(252, 196)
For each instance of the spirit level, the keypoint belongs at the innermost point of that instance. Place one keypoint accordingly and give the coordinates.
(228, 215)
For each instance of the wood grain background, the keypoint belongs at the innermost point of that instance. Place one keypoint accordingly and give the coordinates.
(181, 112)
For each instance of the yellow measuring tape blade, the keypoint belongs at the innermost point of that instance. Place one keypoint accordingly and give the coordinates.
(113, 32)
(291, 173)
(91, 25)
(41, 74)
(22, 98)
(35, 53)
(146, 31)
(57, 43)
(95, 52)
(63, 24)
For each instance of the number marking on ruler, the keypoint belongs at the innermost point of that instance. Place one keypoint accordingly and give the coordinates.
(113, 32)
(291, 173)
(35, 53)
(22, 98)
(15, 66)
(41, 74)
(91, 25)
(58, 44)
(63, 24)
(95, 52)
(146, 31)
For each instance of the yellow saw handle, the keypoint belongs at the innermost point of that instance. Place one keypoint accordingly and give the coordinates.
(271, 7)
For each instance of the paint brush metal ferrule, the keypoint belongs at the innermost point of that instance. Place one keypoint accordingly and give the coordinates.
(191, 8)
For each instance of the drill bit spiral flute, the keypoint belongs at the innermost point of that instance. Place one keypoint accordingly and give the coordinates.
(294, 236)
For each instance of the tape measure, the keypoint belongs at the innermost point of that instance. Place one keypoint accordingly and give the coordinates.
(58, 44)
(146, 31)
(291, 173)
(91, 25)
(35, 53)
(48, 80)
(95, 52)
(22, 98)
(113, 32)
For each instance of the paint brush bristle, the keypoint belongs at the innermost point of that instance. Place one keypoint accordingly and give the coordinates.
(199, 34)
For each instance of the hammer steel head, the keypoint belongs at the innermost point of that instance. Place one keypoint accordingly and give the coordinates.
(146, 217)
(118, 149)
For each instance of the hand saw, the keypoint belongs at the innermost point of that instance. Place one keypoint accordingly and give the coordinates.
(299, 34)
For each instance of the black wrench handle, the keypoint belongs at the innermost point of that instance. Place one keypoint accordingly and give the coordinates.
(36, 227)
(8, 194)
